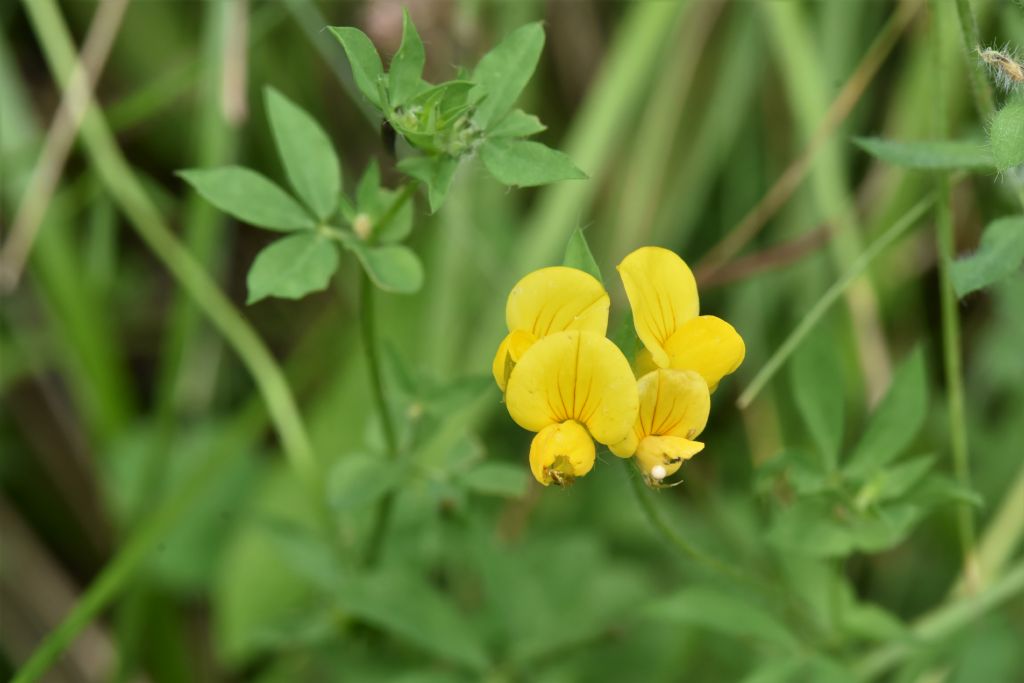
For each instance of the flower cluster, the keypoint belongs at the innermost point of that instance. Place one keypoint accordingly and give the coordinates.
(566, 381)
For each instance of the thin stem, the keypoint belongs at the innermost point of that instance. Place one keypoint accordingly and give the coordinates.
(830, 297)
(953, 368)
(942, 623)
(980, 88)
(382, 516)
(145, 217)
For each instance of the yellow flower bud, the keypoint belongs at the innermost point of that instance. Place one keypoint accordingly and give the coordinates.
(561, 452)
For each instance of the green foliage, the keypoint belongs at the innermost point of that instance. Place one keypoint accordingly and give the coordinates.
(999, 255)
(250, 197)
(503, 72)
(934, 155)
(1006, 135)
(817, 383)
(292, 267)
(525, 163)
(497, 479)
(579, 256)
(455, 119)
(307, 154)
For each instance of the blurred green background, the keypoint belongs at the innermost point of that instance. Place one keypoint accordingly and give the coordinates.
(125, 415)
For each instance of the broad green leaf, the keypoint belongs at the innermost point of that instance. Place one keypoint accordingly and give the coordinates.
(931, 155)
(406, 70)
(892, 482)
(392, 268)
(817, 388)
(504, 71)
(399, 224)
(525, 163)
(248, 196)
(999, 255)
(497, 479)
(368, 188)
(1006, 135)
(723, 612)
(809, 526)
(579, 256)
(435, 172)
(896, 421)
(365, 62)
(307, 154)
(517, 124)
(358, 480)
(406, 606)
(866, 621)
(292, 267)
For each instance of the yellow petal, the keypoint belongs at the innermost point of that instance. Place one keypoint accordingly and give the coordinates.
(662, 293)
(661, 456)
(708, 345)
(555, 299)
(519, 341)
(672, 403)
(560, 453)
(501, 366)
(627, 447)
(577, 376)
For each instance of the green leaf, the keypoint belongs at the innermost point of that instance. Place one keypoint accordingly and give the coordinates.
(406, 70)
(931, 155)
(399, 225)
(358, 480)
(435, 172)
(292, 267)
(249, 196)
(368, 188)
(497, 479)
(818, 391)
(392, 268)
(1006, 135)
(365, 62)
(723, 612)
(401, 603)
(896, 421)
(307, 154)
(579, 256)
(504, 71)
(517, 124)
(809, 526)
(892, 482)
(525, 163)
(999, 255)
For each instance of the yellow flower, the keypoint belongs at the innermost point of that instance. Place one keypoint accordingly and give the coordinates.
(663, 295)
(674, 407)
(572, 388)
(546, 301)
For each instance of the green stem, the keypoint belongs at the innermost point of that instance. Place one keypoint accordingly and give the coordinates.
(953, 368)
(980, 88)
(942, 623)
(142, 213)
(830, 297)
(382, 515)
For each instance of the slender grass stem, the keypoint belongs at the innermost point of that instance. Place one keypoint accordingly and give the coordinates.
(943, 622)
(131, 197)
(830, 297)
(371, 346)
(984, 102)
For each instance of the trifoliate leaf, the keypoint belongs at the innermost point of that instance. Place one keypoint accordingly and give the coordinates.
(930, 155)
(517, 124)
(249, 196)
(504, 71)
(364, 60)
(1006, 135)
(525, 163)
(292, 267)
(435, 172)
(999, 255)
(406, 70)
(307, 154)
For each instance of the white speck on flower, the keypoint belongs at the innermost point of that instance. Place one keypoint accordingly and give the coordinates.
(658, 472)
